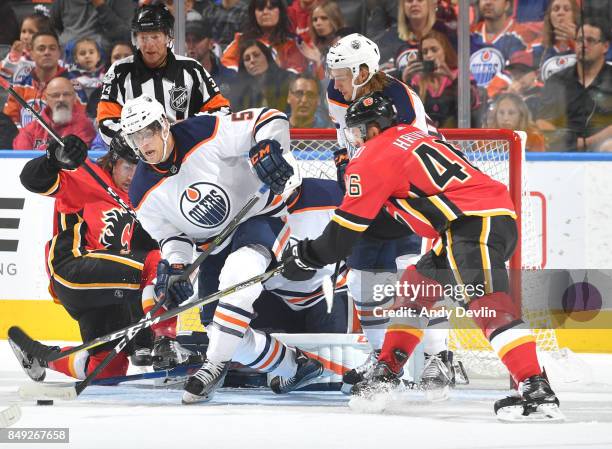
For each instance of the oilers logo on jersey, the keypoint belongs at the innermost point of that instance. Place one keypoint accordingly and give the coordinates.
(485, 64)
(205, 205)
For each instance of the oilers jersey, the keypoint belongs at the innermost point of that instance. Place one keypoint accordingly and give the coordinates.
(207, 180)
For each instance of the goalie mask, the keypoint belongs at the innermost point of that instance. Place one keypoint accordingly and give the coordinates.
(367, 110)
(142, 119)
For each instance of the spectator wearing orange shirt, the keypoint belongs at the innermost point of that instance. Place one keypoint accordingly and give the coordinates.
(269, 23)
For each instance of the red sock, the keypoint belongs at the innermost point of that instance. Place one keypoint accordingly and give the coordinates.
(117, 367)
(404, 338)
(166, 328)
(522, 361)
(149, 270)
(73, 365)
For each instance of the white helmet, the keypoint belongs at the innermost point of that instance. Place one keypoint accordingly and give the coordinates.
(138, 114)
(351, 52)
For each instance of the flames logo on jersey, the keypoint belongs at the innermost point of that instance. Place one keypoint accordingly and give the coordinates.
(205, 205)
(117, 229)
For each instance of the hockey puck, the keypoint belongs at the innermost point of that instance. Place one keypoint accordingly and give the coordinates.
(44, 402)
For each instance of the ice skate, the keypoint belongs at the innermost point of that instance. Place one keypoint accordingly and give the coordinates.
(141, 357)
(359, 373)
(168, 353)
(537, 402)
(438, 376)
(307, 368)
(202, 385)
(381, 380)
(33, 367)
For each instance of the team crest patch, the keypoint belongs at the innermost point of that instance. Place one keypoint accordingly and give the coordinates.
(205, 205)
(368, 102)
(355, 45)
(178, 98)
(485, 64)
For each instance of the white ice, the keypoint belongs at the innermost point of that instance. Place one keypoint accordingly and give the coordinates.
(130, 417)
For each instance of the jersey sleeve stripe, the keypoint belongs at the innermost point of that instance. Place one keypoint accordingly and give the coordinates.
(114, 258)
(405, 206)
(337, 103)
(216, 102)
(54, 188)
(349, 224)
(308, 209)
(95, 285)
(108, 109)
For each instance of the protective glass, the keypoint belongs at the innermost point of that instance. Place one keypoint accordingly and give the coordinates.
(355, 137)
(137, 139)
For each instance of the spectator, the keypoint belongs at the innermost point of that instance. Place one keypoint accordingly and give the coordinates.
(268, 22)
(89, 69)
(382, 15)
(557, 49)
(190, 13)
(521, 77)
(399, 44)
(577, 101)
(10, 27)
(260, 83)
(495, 39)
(18, 59)
(181, 84)
(300, 13)
(8, 131)
(199, 45)
(105, 21)
(225, 19)
(511, 112)
(61, 114)
(434, 77)
(304, 100)
(326, 21)
(120, 50)
(31, 86)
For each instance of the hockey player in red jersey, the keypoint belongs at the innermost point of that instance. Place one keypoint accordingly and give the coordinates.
(401, 178)
(100, 261)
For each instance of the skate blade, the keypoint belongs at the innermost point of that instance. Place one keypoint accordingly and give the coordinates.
(544, 413)
(190, 398)
(437, 394)
(346, 388)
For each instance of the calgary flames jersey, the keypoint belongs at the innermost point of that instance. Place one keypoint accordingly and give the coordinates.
(423, 182)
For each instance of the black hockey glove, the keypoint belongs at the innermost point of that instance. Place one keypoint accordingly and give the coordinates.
(298, 267)
(170, 284)
(70, 156)
(341, 160)
(270, 165)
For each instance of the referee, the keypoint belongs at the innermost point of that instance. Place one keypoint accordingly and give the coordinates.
(179, 83)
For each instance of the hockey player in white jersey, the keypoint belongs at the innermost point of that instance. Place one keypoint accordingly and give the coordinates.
(353, 64)
(194, 178)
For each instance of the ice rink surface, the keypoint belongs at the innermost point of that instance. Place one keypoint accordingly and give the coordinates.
(139, 417)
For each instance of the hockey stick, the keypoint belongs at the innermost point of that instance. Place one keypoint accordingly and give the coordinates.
(177, 371)
(10, 416)
(69, 391)
(329, 287)
(6, 86)
(43, 352)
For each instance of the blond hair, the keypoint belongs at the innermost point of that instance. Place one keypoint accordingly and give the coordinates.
(404, 31)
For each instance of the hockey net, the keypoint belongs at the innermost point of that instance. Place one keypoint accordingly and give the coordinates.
(500, 154)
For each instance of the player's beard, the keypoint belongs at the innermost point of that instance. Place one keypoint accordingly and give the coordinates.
(62, 114)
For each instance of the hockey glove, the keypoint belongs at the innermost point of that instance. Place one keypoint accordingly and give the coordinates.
(341, 160)
(171, 284)
(298, 267)
(270, 165)
(70, 156)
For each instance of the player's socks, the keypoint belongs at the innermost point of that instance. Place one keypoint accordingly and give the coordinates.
(166, 328)
(73, 365)
(117, 367)
(266, 354)
(403, 337)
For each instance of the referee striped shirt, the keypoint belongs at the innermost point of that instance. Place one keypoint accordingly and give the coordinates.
(182, 86)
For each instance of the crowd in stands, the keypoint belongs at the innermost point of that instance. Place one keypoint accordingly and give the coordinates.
(540, 66)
